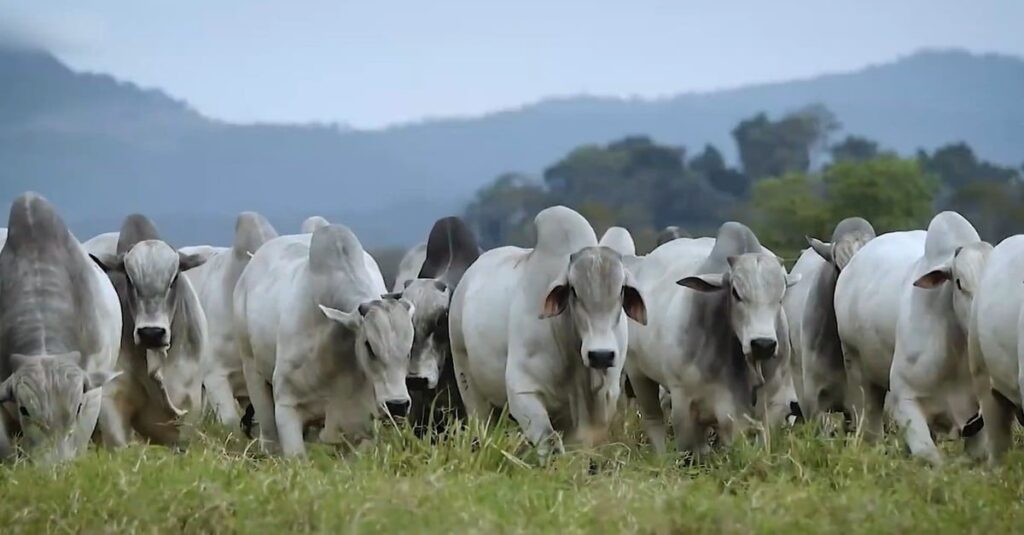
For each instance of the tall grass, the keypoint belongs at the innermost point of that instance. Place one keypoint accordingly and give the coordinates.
(485, 479)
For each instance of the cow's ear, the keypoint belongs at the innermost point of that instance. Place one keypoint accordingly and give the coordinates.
(108, 262)
(349, 320)
(934, 278)
(190, 261)
(703, 283)
(823, 249)
(557, 297)
(632, 301)
(97, 379)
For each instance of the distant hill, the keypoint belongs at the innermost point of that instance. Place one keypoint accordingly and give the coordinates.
(101, 148)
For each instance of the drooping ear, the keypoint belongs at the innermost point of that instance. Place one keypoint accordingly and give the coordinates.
(190, 261)
(108, 262)
(632, 301)
(557, 297)
(823, 249)
(97, 379)
(711, 282)
(348, 320)
(792, 279)
(935, 278)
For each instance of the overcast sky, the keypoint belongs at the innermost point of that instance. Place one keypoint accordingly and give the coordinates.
(374, 63)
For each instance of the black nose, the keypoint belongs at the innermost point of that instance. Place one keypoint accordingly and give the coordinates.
(416, 383)
(794, 410)
(601, 360)
(151, 336)
(763, 348)
(398, 409)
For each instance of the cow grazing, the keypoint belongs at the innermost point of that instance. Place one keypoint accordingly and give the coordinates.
(451, 249)
(162, 340)
(817, 361)
(60, 330)
(214, 283)
(902, 311)
(318, 342)
(544, 330)
(717, 334)
(410, 266)
(994, 343)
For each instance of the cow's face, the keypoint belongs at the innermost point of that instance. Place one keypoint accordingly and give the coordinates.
(383, 339)
(963, 271)
(46, 395)
(756, 283)
(596, 288)
(430, 347)
(152, 272)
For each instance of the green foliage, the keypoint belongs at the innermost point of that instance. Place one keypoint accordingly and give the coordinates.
(501, 212)
(773, 148)
(483, 480)
(891, 193)
(854, 149)
(786, 209)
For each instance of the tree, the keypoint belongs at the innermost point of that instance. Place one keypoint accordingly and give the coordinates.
(891, 193)
(710, 165)
(854, 149)
(783, 210)
(502, 212)
(773, 148)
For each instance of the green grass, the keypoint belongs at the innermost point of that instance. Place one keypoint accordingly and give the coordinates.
(804, 482)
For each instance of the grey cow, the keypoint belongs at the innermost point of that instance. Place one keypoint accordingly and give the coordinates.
(451, 249)
(163, 334)
(60, 330)
(823, 374)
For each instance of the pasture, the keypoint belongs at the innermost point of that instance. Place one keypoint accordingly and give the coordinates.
(802, 481)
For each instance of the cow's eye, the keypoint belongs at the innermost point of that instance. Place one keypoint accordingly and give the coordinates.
(23, 411)
(959, 286)
(79, 411)
(369, 349)
(736, 295)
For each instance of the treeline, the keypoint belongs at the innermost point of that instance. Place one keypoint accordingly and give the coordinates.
(793, 179)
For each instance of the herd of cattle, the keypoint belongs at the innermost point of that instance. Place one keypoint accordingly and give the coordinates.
(285, 335)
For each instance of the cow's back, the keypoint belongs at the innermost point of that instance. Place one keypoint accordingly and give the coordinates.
(868, 296)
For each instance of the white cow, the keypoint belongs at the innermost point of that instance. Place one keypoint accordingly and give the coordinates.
(619, 240)
(717, 332)
(410, 266)
(817, 362)
(318, 343)
(903, 328)
(543, 330)
(994, 337)
(314, 223)
(214, 283)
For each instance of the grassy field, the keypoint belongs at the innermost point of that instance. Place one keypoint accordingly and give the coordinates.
(801, 481)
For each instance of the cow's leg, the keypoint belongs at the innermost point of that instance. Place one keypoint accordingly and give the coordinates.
(998, 412)
(115, 416)
(912, 420)
(646, 392)
(289, 427)
(690, 438)
(7, 450)
(222, 399)
(873, 418)
(528, 409)
(262, 398)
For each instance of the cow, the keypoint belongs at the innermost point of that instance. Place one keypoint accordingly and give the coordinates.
(318, 341)
(670, 233)
(543, 330)
(451, 248)
(716, 332)
(162, 338)
(902, 312)
(313, 223)
(817, 361)
(994, 343)
(410, 266)
(214, 283)
(60, 331)
(619, 240)
(3, 237)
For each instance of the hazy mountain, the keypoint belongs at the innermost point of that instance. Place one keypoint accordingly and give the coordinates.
(101, 148)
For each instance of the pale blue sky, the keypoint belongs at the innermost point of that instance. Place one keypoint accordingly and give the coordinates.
(375, 63)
